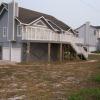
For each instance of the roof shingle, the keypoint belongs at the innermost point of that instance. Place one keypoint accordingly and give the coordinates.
(27, 16)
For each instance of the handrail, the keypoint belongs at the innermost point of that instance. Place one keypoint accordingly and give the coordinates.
(44, 34)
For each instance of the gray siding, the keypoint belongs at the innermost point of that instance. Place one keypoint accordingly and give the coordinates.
(11, 22)
(12, 13)
(88, 34)
(3, 23)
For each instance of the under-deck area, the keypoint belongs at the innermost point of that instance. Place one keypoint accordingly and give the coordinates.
(47, 52)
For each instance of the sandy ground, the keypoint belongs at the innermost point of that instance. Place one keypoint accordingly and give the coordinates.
(2, 62)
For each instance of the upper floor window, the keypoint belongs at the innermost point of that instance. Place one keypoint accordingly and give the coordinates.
(4, 31)
(1, 31)
(19, 30)
(95, 32)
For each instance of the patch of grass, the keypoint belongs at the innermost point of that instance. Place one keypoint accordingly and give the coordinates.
(86, 94)
(96, 78)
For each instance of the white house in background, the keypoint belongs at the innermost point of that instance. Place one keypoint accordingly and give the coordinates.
(90, 35)
(27, 35)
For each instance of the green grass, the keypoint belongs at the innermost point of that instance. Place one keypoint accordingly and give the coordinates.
(92, 93)
(96, 78)
(86, 94)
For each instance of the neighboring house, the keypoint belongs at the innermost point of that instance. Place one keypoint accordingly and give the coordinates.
(90, 35)
(27, 35)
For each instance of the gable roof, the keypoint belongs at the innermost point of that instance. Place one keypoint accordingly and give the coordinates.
(97, 27)
(27, 16)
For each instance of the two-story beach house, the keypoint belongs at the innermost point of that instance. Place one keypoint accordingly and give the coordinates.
(27, 35)
(90, 35)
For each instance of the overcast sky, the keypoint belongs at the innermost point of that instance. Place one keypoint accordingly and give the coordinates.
(72, 12)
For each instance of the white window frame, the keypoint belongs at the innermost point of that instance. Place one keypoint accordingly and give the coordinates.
(2, 31)
(18, 35)
(5, 32)
(36, 24)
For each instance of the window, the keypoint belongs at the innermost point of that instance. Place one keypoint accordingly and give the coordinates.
(4, 31)
(95, 32)
(19, 31)
(1, 31)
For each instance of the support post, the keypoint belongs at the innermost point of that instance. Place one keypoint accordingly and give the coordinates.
(28, 51)
(69, 52)
(61, 52)
(49, 52)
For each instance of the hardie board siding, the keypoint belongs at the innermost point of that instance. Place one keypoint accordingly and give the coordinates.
(93, 39)
(11, 22)
(82, 32)
(12, 13)
(3, 23)
(12, 51)
(16, 52)
(5, 53)
(90, 39)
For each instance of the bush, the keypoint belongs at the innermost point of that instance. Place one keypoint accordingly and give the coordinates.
(96, 51)
(86, 94)
(96, 78)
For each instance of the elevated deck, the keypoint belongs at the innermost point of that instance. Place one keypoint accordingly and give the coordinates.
(43, 34)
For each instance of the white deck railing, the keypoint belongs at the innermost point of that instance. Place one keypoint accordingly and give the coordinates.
(43, 34)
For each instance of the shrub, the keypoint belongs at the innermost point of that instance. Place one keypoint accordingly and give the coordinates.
(86, 94)
(96, 78)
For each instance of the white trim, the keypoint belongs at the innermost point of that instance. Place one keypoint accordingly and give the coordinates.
(19, 35)
(5, 31)
(3, 4)
(3, 10)
(43, 24)
(35, 20)
(32, 21)
(68, 29)
(39, 19)
(56, 25)
(49, 24)
(18, 20)
(7, 10)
